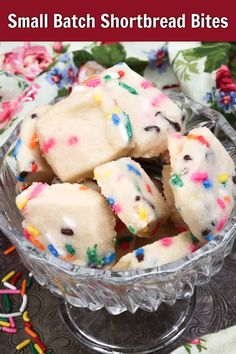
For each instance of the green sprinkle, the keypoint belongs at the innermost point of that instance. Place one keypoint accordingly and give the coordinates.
(3, 319)
(131, 229)
(128, 88)
(7, 303)
(176, 180)
(124, 239)
(107, 78)
(32, 348)
(194, 239)
(128, 127)
(70, 249)
(138, 188)
(93, 257)
(29, 282)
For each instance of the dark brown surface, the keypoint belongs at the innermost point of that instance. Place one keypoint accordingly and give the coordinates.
(215, 309)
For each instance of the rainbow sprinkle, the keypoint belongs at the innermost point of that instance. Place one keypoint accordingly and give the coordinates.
(109, 258)
(139, 254)
(53, 250)
(17, 147)
(94, 259)
(176, 180)
(132, 168)
(128, 88)
(128, 127)
(70, 249)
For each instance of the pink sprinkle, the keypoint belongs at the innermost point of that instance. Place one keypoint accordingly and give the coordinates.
(10, 292)
(221, 203)
(176, 135)
(47, 145)
(221, 224)
(148, 188)
(93, 82)
(9, 330)
(199, 177)
(116, 208)
(12, 322)
(157, 100)
(26, 234)
(37, 190)
(193, 248)
(146, 84)
(167, 241)
(73, 140)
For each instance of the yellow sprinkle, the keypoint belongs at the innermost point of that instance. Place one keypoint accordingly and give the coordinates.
(223, 177)
(97, 98)
(32, 230)
(107, 173)
(5, 324)
(23, 344)
(39, 350)
(142, 214)
(26, 317)
(21, 203)
(117, 109)
(8, 276)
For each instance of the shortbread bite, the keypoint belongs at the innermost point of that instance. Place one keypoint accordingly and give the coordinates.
(31, 166)
(202, 181)
(166, 250)
(132, 195)
(83, 131)
(71, 221)
(152, 113)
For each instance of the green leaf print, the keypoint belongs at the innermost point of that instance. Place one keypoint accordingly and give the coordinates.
(216, 54)
(109, 54)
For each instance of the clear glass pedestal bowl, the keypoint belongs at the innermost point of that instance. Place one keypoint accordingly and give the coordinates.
(125, 312)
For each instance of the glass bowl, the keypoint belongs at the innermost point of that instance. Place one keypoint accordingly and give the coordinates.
(162, 296)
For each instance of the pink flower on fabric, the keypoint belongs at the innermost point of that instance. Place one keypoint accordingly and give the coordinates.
(28, 61)
(9, 109)
(224, 79)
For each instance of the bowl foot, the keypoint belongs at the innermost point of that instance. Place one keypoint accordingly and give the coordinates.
(142, 332)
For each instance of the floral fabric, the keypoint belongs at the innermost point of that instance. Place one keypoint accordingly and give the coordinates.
(222, 342)
(37, 73)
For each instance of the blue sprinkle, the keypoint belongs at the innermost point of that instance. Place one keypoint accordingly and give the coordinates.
(209, 238)
(109, 258)
(131, 168)
(19, 178)
(207, 183)
(139, 252)
(115, 119)
(53, 250)
(16, 148)
(110, 201)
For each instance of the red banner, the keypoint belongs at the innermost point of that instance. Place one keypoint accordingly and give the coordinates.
(102, 20)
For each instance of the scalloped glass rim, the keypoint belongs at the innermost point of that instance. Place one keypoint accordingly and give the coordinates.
(221, 240)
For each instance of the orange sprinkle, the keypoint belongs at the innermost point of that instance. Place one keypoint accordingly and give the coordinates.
(69, 258)
(36, 243)
(227, 198)
(23, 287)
(83, 188)
(9, 250)
(30, 332)
(34, 141)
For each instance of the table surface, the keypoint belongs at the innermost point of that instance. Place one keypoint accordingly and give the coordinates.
(215, 310)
